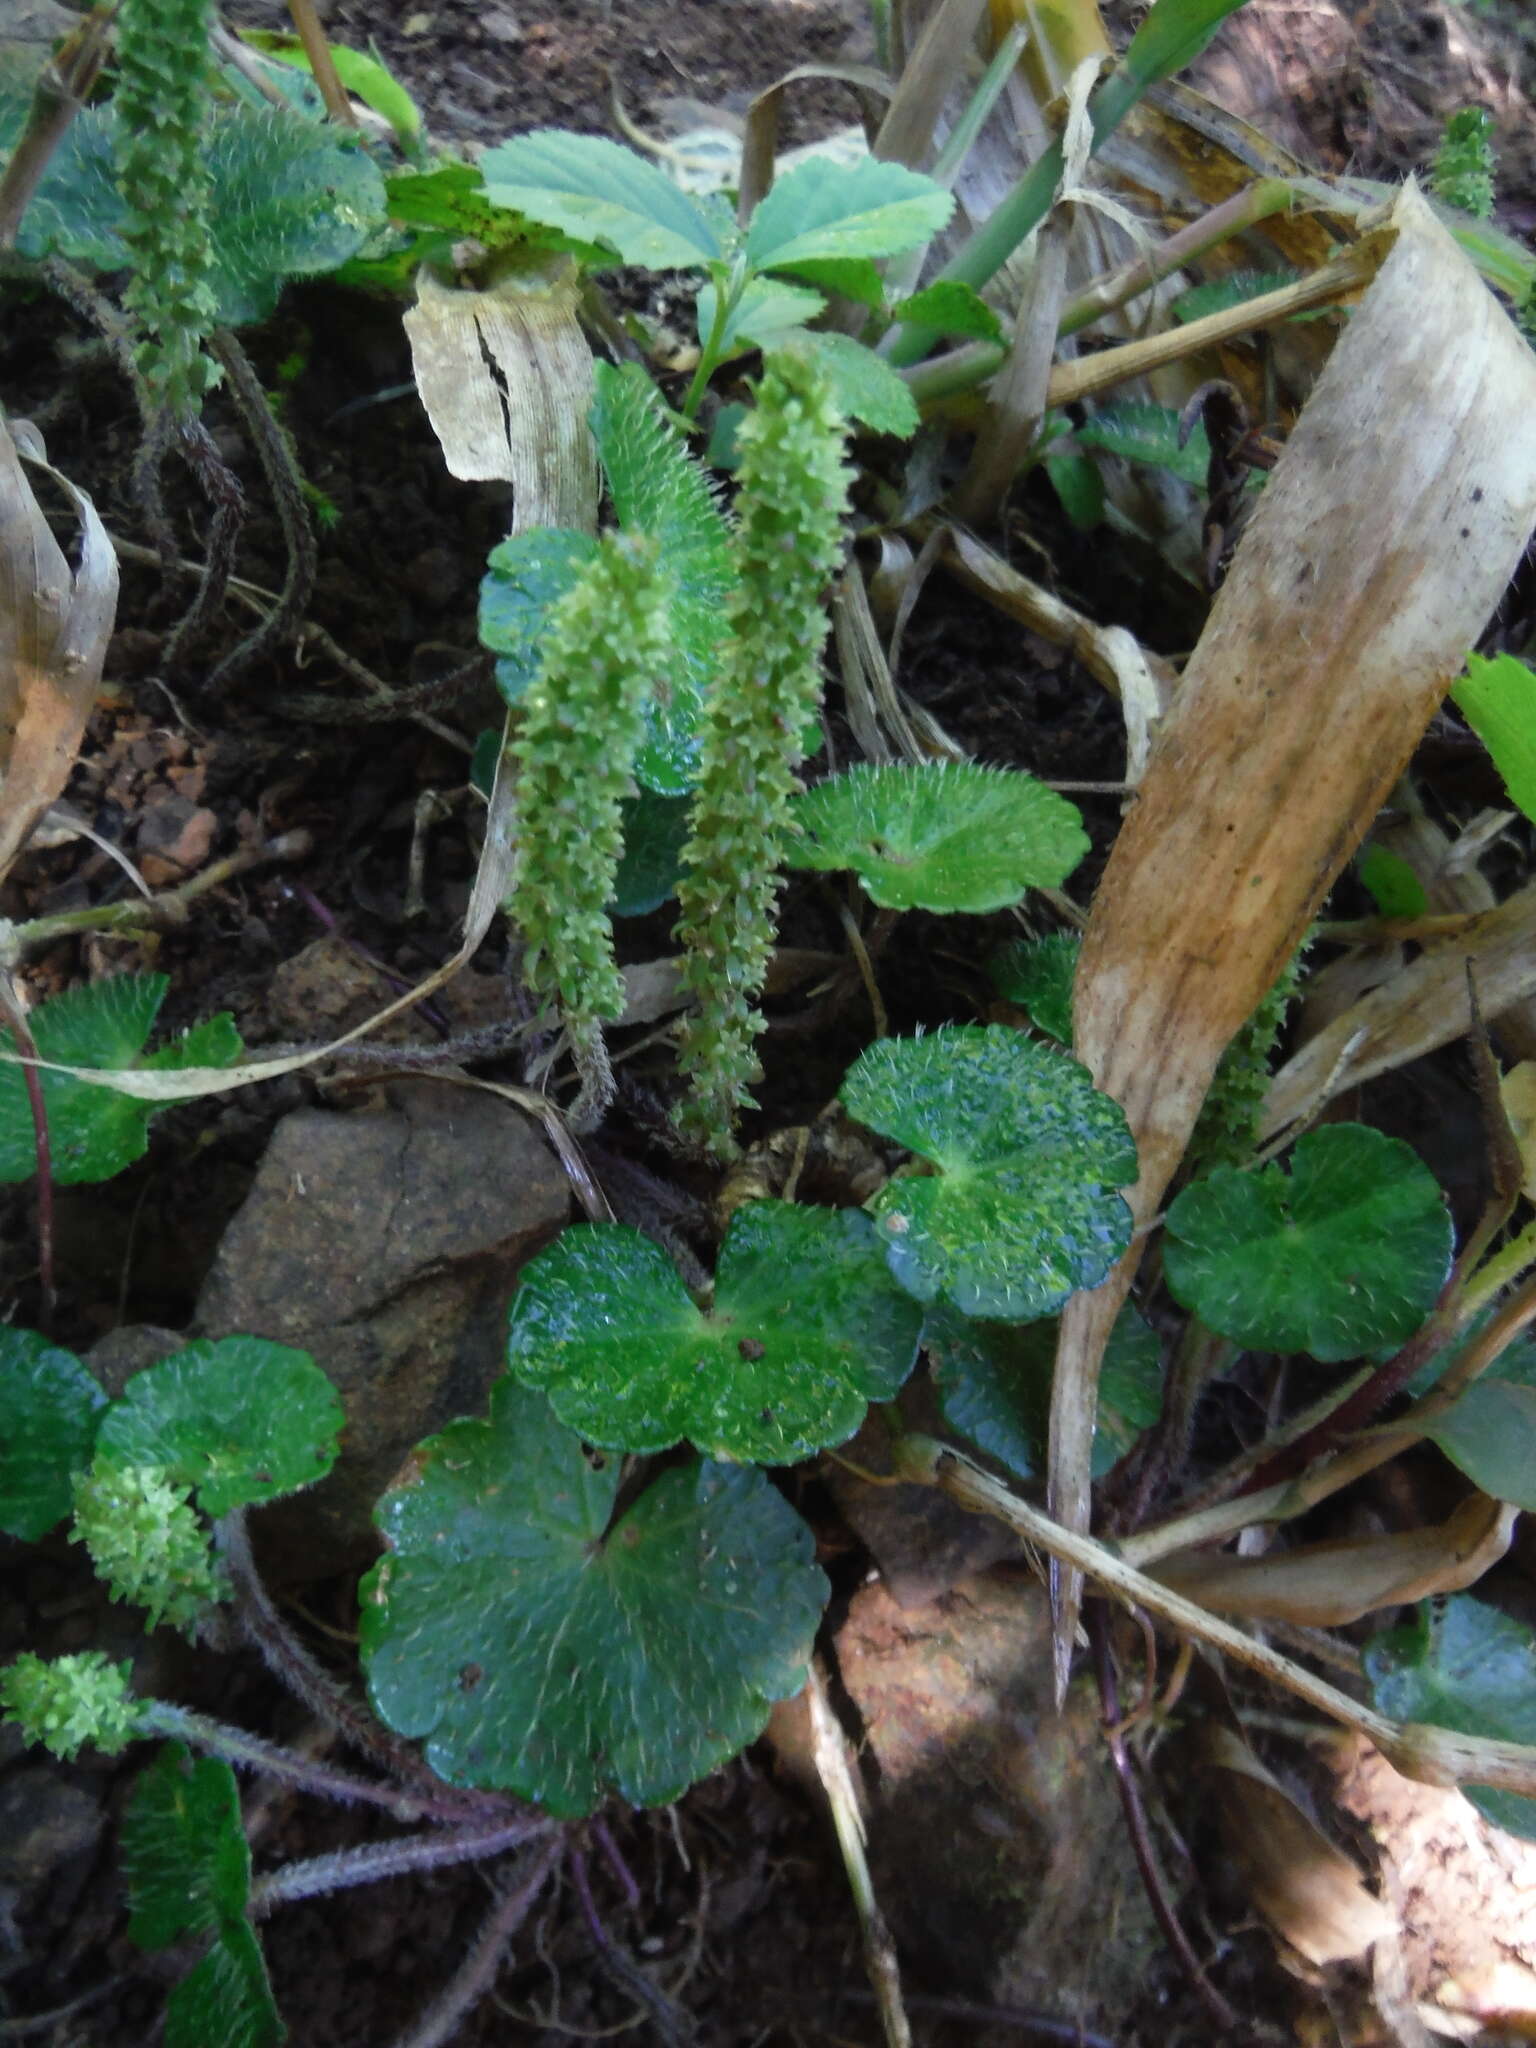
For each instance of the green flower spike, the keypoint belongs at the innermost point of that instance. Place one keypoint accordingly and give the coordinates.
(607, 649)
(794, 491)
(162, 174)
(71, 1702)
(147, 1543)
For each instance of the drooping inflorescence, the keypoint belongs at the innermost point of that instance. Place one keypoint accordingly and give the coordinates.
(794, 492)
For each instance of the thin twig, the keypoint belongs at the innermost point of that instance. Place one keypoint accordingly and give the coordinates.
(317, 1876)
(673, 2027)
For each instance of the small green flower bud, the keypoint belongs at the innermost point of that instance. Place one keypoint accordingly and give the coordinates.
(71, 1702)
(147, 1543)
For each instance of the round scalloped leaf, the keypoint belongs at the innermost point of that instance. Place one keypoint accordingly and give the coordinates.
(804, 1332)
(1023, 1209)
(1462, 1664)
(1038, 975)
(655, 833)
(946, 836)
(994, 1383)
(1346, 1252)
(51, 1406)
(542, 1651)
(240, 1419)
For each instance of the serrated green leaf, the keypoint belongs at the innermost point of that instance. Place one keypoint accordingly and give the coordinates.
(1221, 294)
(1038, 974)
(50, 1406)
(1394, 887)
(225, 1998)
(952, 308)
(994, 1383)
(827, 209)
(1142, 432)
(660, 491)
(1490, 1434)
(1462, 1664)
(604, 193)
(655, 831)
(542, 1651)
(1023, 1210)
(525, 576)
(93, 1133)
(1346, 1252)
(851, 277)
(804, 1332)
(213, 1043)
(184, 1853)
(946, 836)
(767, 310)
(862, 385)
(76, 211)
(1498, 700)
(238, 1418)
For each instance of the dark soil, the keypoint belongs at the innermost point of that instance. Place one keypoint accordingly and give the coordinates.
(744, 1918)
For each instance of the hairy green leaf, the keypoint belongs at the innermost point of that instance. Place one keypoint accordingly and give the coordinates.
(185, 1858)
(604, 193)
(804, 1332)
(660, 491)
(225, 1998)
(1038, 974)
(1346, 1252)
(1078, 483)
(946, 836)
(1142, 432)
(50, 1406)
(1023, 1209)
(240, 1419)
(1462, 1664)
(822, 209)
(542, 1648)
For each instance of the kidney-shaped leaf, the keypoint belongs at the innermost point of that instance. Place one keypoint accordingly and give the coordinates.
(994, 1382)
(525, 576)
(49, 1409)
(1462, 1664)
(1038, 975)
(238, 1418)
(1346, 1252)
(1490, 1434)
(822, 208)
(804, 1332)
(1023, 1210)
(950, 836)
(93, 1132)
(541, 1651)
(602, 192)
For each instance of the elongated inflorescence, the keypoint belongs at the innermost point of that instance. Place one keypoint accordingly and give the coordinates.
(161, 104)
(794, 492)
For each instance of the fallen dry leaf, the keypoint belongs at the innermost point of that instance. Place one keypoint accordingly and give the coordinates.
(1382, 543)
(1326, 1585)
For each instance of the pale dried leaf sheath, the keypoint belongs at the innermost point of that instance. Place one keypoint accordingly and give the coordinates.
(506, 378)
(1381, 545)
(54, 627)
